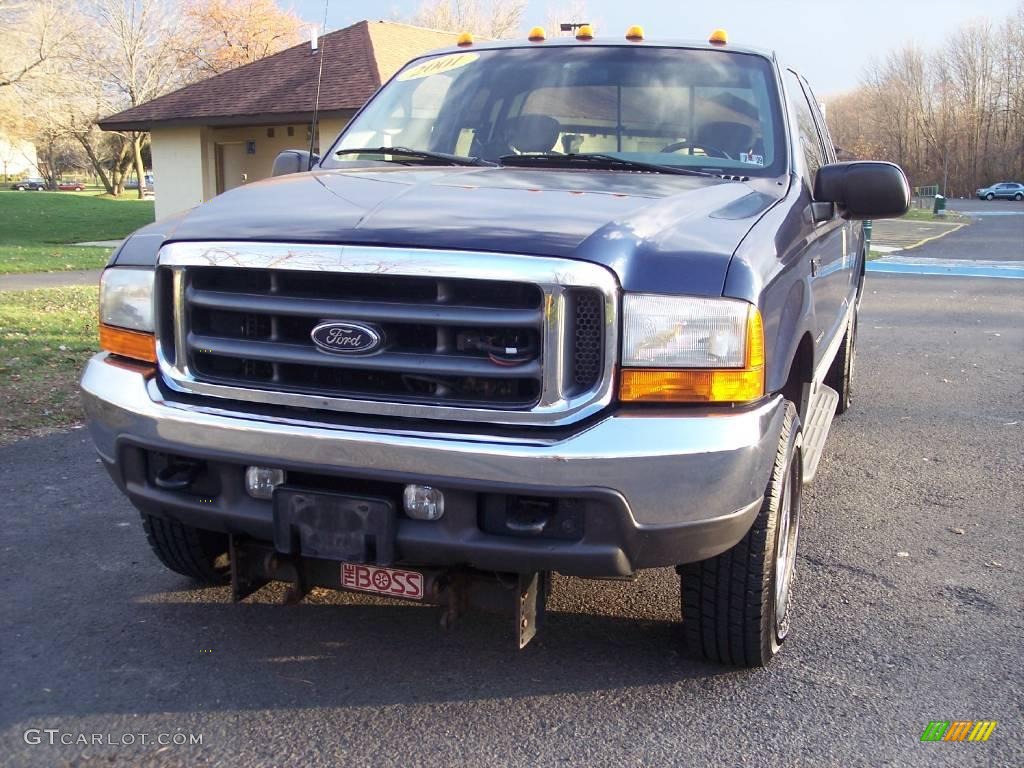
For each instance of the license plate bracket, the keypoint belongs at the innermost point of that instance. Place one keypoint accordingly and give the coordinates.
(334, 526)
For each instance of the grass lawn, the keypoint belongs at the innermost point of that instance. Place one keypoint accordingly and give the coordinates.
(35, 228)
(925, 214)
(49, 258)
(45, 338)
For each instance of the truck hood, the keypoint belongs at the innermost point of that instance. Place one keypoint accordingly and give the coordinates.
(652, 230)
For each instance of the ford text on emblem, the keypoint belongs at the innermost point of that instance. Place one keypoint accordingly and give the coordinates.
(344, 337)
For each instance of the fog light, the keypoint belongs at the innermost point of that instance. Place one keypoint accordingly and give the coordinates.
(260, 482)
(423, 502)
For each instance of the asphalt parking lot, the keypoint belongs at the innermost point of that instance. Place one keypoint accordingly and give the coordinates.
(908, 597)
(994, 232)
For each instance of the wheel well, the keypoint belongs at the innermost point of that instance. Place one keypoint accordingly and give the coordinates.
(801, 370)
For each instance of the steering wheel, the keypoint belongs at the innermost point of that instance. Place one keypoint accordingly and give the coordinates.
(709, 150)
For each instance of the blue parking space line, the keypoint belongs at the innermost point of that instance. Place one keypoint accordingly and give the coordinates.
(953, 269)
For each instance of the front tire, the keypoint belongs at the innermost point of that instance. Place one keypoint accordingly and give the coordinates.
(1019, 196)
(736, 606)
(192, 552)
(990, 196)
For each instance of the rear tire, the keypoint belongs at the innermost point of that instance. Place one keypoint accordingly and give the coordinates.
(736, 606)
(192, 552)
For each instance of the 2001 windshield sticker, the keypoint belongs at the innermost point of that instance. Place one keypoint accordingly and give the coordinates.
(438, 65)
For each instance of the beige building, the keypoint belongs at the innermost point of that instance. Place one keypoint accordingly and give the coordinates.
(225, 131)
(17, 158)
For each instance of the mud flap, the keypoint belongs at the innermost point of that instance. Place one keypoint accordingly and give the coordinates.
(531, 606)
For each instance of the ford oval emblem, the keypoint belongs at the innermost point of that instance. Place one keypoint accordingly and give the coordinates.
(345, 337)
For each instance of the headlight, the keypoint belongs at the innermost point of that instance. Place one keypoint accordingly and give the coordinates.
(126, 313)
(126, 298)
(689, 349)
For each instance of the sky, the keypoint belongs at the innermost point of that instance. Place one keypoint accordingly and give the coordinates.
(830, 42)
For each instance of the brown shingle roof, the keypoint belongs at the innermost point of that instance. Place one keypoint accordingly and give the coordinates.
(357, 60)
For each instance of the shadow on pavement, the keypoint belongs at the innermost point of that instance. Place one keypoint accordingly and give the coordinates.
(176, 654)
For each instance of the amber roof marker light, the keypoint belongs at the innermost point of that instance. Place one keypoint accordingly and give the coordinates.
(537, 35)
(718, 37)
(585, 32)
(465, 40)
(635, 33)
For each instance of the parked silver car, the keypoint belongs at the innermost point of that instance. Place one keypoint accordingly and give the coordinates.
(1007, 190)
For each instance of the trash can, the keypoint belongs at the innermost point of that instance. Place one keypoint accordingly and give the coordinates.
(939, 208)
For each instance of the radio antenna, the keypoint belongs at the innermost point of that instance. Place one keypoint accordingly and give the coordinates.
(316, 101)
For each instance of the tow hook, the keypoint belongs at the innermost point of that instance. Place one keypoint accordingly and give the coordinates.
(178, 475)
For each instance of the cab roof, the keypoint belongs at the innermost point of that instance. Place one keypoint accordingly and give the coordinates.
(606, 42)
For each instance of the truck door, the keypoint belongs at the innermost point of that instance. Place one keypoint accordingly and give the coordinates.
(828, 236)
(848, 278)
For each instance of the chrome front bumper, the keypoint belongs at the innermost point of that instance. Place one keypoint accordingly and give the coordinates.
(686, 482)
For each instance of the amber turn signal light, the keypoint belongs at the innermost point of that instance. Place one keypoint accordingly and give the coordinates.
(644, 385)
(133, 344)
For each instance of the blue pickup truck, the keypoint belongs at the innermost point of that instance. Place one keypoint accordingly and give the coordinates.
(572, 305)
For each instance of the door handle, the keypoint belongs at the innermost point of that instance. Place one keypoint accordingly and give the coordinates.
(815, 265)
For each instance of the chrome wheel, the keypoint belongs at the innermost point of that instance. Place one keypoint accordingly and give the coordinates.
(785, 550)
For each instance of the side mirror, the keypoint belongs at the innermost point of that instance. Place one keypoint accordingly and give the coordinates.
(864, 189)
(293, 161)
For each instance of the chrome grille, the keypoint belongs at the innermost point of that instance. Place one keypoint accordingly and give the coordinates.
(587, 325)
(511, 339)
(257, 331)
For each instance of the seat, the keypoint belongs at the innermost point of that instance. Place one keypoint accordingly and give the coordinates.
(533, 133)
(734, 138)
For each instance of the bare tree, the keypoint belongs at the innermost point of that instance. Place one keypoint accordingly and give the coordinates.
(487, 18)
(952, 117)
(31, 33)
(223, 34)
(138, 59)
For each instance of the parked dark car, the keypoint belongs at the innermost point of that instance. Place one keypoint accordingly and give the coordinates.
(29, 185)
(580, 306)
(70, 186)
(1004, 190)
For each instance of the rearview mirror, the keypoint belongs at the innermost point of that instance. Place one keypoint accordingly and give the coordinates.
(293, 161)
(864, 189)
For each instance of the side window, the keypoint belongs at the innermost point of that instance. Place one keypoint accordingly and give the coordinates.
(826, 137)
(807, 130)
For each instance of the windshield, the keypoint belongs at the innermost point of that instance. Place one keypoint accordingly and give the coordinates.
(700, 109)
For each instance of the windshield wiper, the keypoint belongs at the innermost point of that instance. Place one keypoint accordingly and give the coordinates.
(597, 160)
(419, 154)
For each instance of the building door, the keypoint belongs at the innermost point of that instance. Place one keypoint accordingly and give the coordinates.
(230, 166)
